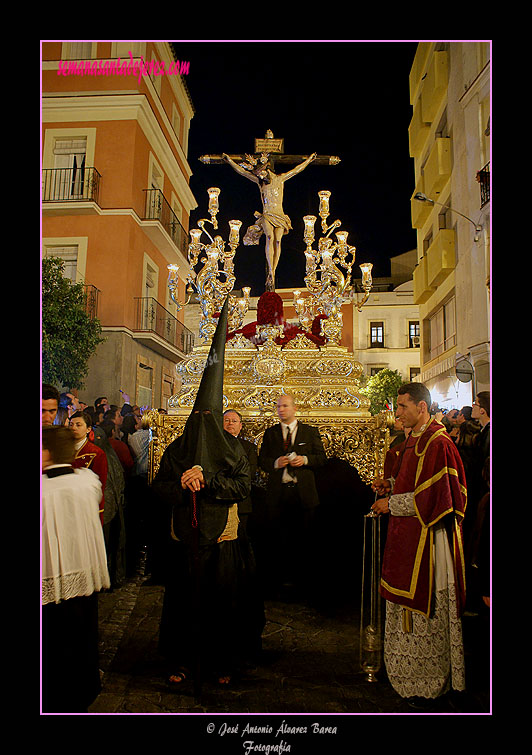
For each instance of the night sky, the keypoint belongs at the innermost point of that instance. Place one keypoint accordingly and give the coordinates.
(349, 99)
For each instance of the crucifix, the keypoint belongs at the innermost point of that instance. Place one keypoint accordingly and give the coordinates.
(259, 168)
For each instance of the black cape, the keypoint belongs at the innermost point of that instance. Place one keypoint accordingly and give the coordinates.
(225, 471)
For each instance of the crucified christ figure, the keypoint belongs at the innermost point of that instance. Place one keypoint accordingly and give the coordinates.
(273, 222)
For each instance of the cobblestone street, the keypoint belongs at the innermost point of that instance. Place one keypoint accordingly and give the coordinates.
(310, 665)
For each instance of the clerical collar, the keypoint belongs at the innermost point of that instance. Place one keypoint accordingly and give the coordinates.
(56, 470)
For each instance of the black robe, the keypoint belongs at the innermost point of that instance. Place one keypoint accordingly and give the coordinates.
(211, 605)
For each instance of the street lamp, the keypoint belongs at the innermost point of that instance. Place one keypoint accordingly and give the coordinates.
(423, 198)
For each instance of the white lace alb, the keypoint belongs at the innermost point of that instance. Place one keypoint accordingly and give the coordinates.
(74, 559)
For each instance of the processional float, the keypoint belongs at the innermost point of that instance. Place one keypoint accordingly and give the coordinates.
(271, 357)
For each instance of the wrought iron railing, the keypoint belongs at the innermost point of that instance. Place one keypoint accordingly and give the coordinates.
(153, 317)
(483, 177)
(91, 301)
(70, 184)
(157, 208)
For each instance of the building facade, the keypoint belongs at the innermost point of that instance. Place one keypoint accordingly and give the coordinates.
(116, 202)
(386, 332)
(449, 137)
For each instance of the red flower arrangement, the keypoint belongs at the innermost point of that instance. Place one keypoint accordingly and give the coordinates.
(270, 312)
(270, 309)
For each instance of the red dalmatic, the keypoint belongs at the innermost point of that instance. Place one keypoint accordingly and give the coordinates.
(429, 466)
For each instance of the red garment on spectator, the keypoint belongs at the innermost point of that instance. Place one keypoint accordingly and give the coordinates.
(124, 454)
(90, 456)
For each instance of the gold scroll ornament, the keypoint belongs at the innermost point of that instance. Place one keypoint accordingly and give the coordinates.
(323, 381)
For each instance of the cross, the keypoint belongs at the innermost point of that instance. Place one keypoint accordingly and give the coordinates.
(259, 168)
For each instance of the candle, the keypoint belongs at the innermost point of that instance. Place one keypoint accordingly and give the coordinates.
(308, 235)
(234, 226)
(366, 273)
(213, 199)
(326, 258)
(324, 202)
(196, 235)
(342, 239)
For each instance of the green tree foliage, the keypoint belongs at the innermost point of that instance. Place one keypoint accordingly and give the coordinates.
(382, 387)
(69, 334)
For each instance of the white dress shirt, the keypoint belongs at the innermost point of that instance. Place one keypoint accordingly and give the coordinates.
(291, 429)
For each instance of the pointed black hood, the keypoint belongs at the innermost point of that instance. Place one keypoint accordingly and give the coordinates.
(204, 440)
(210, 391)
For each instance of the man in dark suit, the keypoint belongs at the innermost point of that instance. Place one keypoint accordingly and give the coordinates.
(290, 452)
(233, 424)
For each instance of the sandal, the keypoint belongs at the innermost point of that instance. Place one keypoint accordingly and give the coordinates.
(174, 680)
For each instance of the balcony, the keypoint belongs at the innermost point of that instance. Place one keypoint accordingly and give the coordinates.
(158, 329)
(418, 69)
(434, 86)
(158, 209)
(418, 131)
(438, 167)
(483, 177)
(91, 301)
(419, 211)
(71, 185)
(441, 257)
(422, 290)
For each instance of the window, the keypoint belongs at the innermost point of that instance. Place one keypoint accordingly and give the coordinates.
(443, 329)
(450, 324)
(414, 335)
(437, 337)
(122, 49)
(150, 280)
(79, 51)
(154, 73)
(150, 294)
(414, 371)
(144, 384)
(68, 178)
(167, 390)
(176, 122)
(69, 255)
(148, 300)
(155, 193)
(376, 339)
(484, 129)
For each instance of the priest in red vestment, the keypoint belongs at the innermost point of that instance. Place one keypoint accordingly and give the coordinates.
(423, 563)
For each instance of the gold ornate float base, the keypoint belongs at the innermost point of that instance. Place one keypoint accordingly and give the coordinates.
(324, 382)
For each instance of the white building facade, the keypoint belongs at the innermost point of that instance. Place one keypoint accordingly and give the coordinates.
(450, 142)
